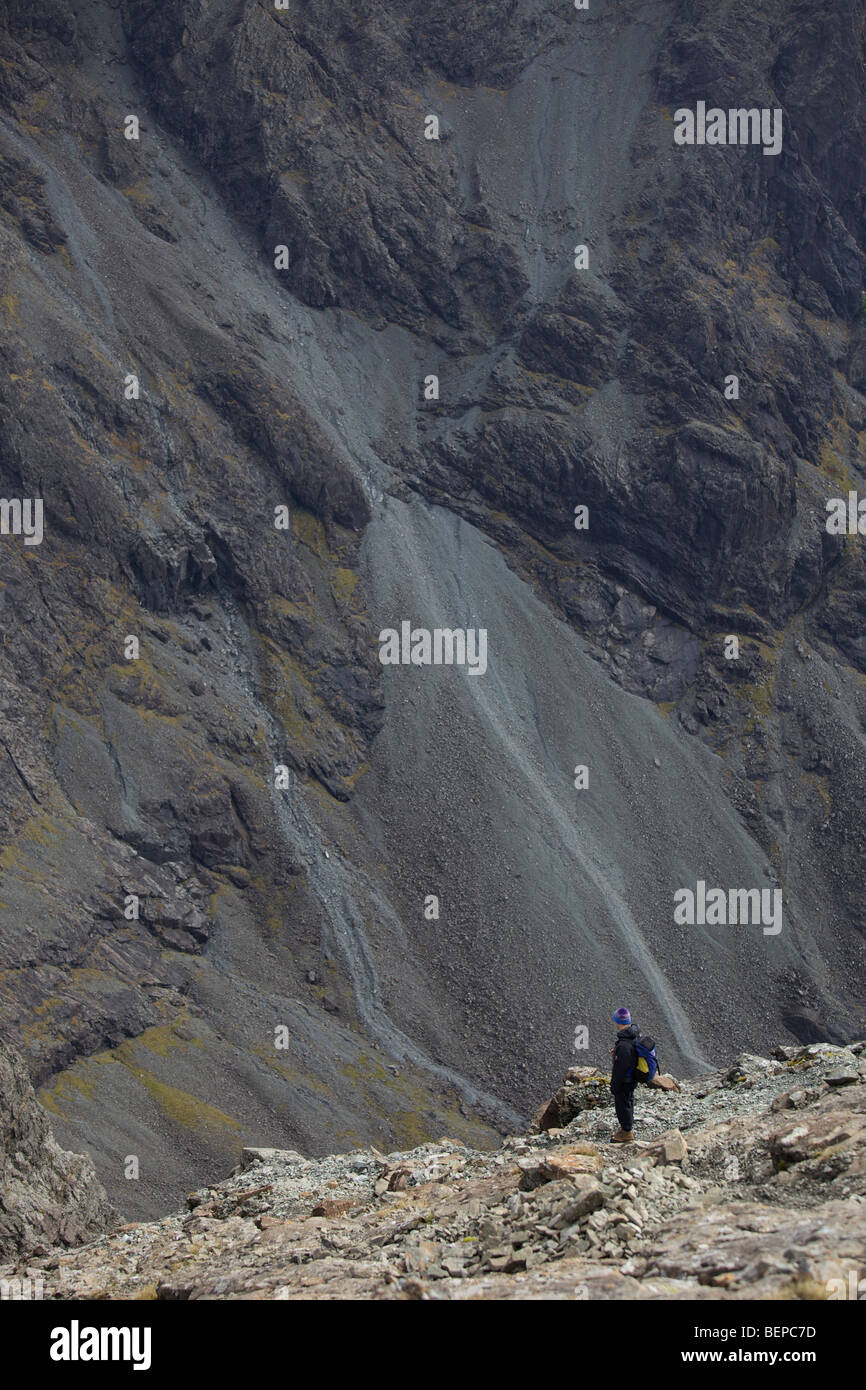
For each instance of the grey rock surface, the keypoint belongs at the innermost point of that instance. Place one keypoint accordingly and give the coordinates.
(48, 1197)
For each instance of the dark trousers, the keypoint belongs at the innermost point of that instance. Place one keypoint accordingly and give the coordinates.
(623, 1099)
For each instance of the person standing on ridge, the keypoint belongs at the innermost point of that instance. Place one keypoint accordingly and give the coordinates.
(623, 1079)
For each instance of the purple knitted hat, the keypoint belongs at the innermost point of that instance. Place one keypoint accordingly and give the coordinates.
(622, 1015)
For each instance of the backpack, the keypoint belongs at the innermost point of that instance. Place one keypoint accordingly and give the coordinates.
(647, 1064)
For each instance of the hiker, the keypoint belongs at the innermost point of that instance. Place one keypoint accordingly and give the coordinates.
(623, 1075)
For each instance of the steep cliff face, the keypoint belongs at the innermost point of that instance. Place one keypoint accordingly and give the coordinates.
(47, 1197)
(171, 394)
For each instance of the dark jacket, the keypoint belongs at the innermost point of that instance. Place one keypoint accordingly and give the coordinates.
(624, 1058)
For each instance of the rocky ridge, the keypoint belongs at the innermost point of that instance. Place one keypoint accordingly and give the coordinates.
(48, 1196)
(749, 1183)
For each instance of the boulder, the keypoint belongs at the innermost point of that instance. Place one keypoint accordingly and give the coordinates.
(583, 1076)
(814, 1135)
(585, 1088)
(794, 1099)
(586, 1197)
(249, 1156)
(665, 1082)
(842, 1076)
(748, 1067)
(670, 1147)
(333, 1206)
(564, 1162)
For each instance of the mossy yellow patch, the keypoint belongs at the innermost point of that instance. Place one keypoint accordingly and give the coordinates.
(184, 1109)
(39, 830)
(10, 306)
(161, 1040)
(66, 1088)
(288, 692)
(299, 1080)
(351, 781)
(310, 530)
(409, 1129)
(364, 1069)
(136, 192)
(343, 583)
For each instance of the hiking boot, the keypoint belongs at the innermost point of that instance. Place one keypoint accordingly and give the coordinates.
(623, 1136)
